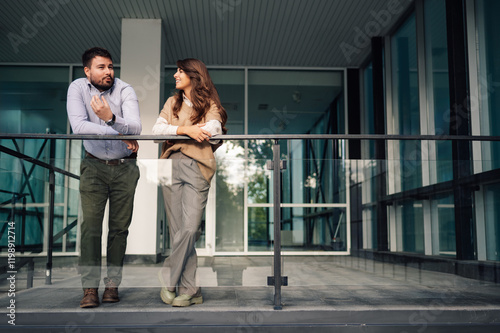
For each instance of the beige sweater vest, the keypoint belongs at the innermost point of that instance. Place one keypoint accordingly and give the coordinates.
(202, 152)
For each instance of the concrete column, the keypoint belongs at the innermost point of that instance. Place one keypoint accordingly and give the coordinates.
(141, 66)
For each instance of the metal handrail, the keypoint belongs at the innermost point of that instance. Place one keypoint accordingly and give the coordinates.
(383, 137)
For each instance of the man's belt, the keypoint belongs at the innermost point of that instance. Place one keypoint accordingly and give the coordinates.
(118, 161)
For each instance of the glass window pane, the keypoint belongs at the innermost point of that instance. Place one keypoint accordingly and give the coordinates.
(169, 83)
(412, 226)
(492, 220)
(290, 101)
(368, 123)
(444, 224)
(438, 91)
(488, 30)
(33, 99)
(405, 100)
(230, 85)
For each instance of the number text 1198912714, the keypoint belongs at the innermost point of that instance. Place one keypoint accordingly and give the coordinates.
(11, 277)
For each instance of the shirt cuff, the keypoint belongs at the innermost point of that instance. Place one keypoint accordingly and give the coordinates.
(162, 127)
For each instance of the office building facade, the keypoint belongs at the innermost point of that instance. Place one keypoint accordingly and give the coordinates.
(424, 68)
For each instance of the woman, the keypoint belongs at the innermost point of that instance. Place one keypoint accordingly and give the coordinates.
(194, 111)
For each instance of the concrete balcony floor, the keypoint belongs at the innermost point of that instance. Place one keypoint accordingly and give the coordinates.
(343, 293)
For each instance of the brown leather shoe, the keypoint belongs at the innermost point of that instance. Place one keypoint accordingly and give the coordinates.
(90, 298)
(110, 294)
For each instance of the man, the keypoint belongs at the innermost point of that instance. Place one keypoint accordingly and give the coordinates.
(101, 104)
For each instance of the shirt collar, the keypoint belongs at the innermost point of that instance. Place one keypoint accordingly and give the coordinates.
(109, 91)
(187, 101)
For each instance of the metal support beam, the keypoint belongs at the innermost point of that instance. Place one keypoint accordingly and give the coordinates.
(460, 124)
(380, 153)
(354, 111)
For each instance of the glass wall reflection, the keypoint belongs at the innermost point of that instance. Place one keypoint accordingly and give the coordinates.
(290, 102)
(303, 229)
(405, 100)
(488, 27)
(229, 192)
(33, 100)
(437, 89)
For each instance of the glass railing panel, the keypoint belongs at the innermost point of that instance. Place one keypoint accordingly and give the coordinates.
(25, 201)
(23, 205)
(229, 191)
(314, 229)
(314, 181)
(331, 240)
(260, 229)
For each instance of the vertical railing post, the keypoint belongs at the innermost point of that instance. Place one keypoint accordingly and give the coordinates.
(52, 183)
(13, 208)
(277, 280)
(277, 225)
(23, 225)
(31, 270)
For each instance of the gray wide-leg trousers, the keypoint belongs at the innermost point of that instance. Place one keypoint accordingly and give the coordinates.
(185, 200)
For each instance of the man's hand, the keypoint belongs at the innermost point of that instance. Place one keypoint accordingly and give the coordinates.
(101, 108)
(195, 132)
(132, 145)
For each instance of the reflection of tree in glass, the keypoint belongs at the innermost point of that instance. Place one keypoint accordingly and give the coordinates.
(259, 151)
(258, 216)
(229, 197)
(230, 167)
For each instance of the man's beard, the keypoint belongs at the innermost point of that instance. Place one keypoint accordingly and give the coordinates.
(103, 87)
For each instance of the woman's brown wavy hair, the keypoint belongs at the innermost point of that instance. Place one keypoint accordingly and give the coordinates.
(203, 92)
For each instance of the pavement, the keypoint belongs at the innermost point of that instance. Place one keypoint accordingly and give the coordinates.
(344, 293)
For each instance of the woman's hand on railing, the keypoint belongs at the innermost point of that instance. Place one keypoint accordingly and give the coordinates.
(195, 132)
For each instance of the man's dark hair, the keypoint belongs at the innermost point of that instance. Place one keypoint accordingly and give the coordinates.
(92, 53)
